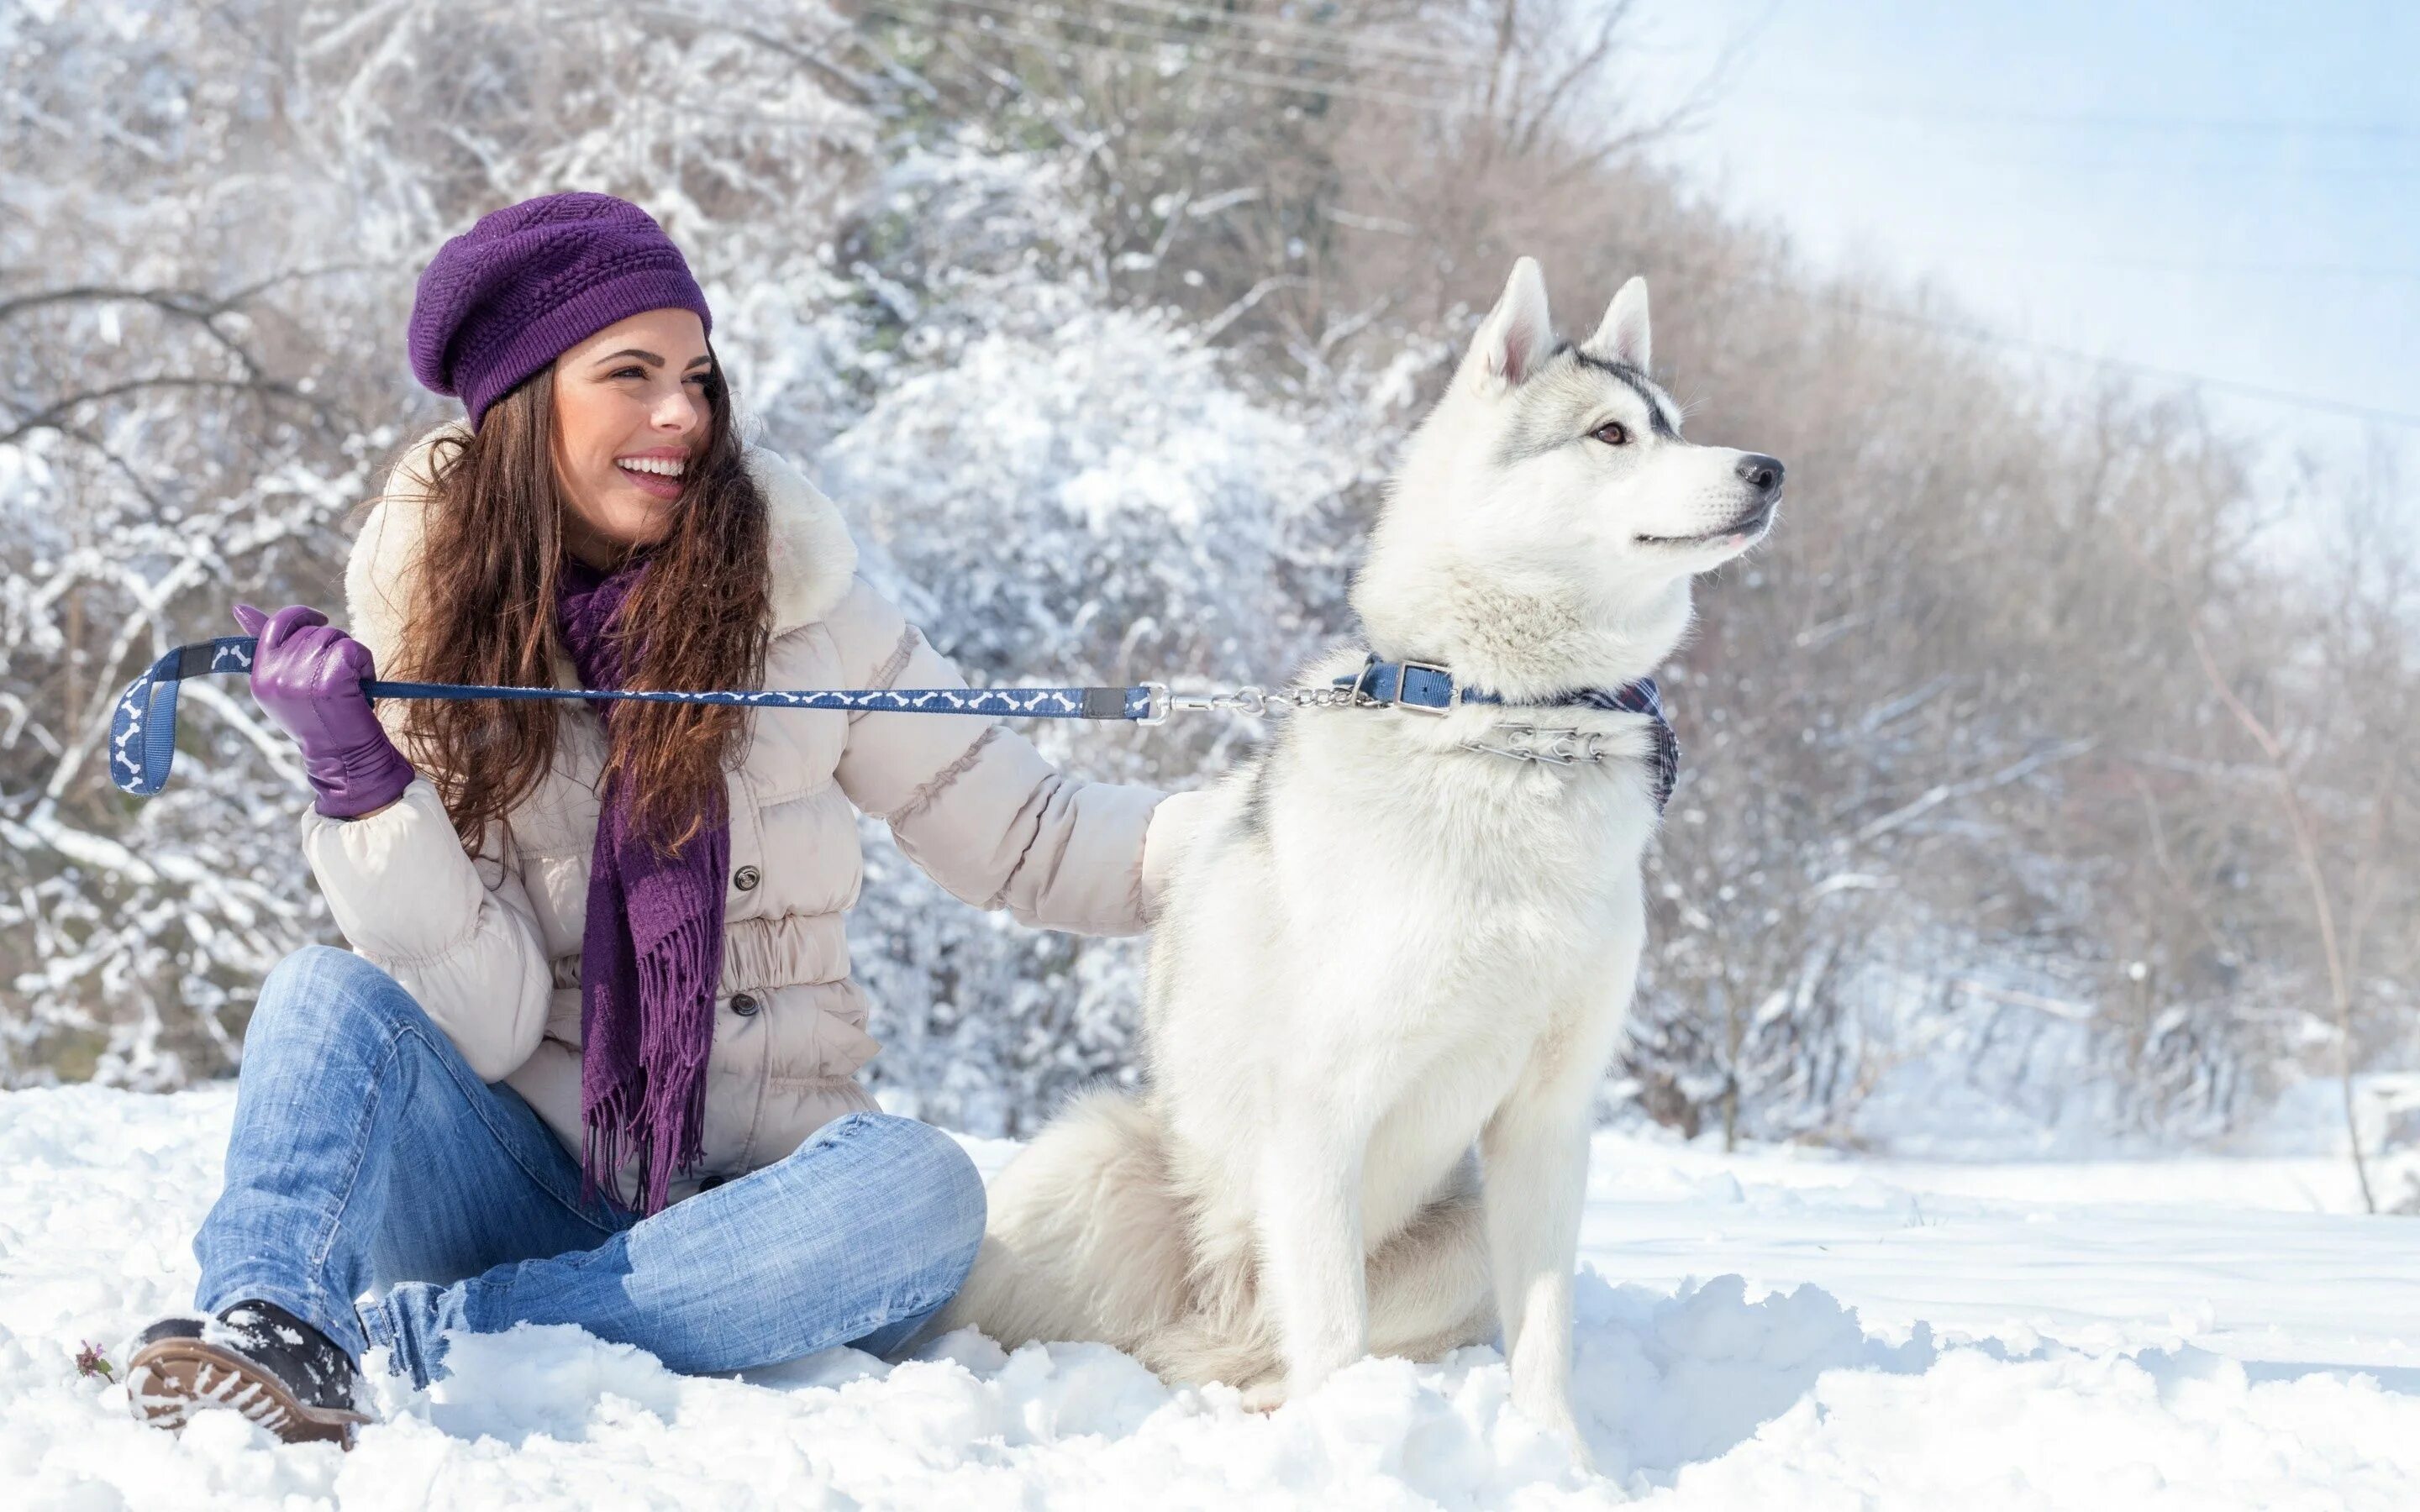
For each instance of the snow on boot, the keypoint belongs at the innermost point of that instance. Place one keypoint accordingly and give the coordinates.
(255, 1357)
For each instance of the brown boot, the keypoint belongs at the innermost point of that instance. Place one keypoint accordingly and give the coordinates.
(255, 1357)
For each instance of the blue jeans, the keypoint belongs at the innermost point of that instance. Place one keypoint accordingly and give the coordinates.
(368, 1154)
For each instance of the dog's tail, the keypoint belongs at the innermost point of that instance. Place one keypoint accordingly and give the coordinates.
(1085, 1237)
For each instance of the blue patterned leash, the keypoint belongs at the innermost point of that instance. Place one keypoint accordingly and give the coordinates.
(142, 726)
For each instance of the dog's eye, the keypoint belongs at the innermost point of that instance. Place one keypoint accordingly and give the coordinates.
(1611, 434)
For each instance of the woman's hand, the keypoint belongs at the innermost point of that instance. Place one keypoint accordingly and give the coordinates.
(308, 675)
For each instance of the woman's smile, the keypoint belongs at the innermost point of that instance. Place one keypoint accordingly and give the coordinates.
(657, 474)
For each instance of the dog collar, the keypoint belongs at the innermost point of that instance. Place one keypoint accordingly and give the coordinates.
(1425, 687)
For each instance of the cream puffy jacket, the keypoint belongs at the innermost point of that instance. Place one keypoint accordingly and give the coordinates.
(489, 944)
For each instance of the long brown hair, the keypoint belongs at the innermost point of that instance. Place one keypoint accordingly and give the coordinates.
(484, 612)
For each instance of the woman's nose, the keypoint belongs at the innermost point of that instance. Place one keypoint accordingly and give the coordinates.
(681, 412)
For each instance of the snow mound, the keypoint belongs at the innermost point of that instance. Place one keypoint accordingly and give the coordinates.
(1722, 1393)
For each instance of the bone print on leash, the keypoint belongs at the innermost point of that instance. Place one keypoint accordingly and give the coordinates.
(142, 726)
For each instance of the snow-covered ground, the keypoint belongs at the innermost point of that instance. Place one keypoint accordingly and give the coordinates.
(1776, 1329)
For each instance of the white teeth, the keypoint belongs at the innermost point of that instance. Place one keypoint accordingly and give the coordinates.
(648, 464)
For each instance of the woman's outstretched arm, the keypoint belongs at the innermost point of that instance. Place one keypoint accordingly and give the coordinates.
(983, 812)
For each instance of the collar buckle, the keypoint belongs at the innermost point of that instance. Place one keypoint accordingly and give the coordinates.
(1404, 681)
(1392, 685)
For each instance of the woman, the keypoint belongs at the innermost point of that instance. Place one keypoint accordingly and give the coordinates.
(592, 1057)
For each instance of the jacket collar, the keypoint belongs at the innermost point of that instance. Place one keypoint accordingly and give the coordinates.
(811, 555)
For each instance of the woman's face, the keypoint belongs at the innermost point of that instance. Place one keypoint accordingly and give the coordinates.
(630, 413)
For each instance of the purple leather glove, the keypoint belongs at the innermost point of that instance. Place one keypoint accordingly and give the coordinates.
(308, 675)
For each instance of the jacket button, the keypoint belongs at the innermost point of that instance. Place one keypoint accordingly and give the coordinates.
(745, 879)
(745, 1004)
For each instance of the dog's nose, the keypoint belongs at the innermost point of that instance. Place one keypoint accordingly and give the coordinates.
(1760, 472)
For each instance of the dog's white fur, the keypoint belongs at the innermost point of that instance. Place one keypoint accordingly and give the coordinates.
(1382, 949)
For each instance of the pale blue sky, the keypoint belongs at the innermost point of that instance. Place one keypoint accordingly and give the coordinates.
(2228, 188)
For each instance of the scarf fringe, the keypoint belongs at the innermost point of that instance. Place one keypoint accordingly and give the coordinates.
(679, 972)
(657, 1114)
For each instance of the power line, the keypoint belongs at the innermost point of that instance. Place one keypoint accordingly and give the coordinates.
(905, 11)
(2318, 403)
(2104, 120)
(2088, 163)
(1232, 50)
(1329, 53)
(1445, 56)
(2216, 270)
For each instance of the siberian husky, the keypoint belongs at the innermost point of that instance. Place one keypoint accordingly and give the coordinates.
(1395, 956)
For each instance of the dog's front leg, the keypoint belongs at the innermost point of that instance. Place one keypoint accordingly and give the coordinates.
(1313, 1276)
(1534, 1154)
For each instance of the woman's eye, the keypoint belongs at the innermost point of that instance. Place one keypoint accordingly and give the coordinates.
(1611, 433)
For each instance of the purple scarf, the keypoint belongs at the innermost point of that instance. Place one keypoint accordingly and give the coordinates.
(651, 956)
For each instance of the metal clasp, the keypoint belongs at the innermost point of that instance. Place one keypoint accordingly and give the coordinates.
(1250, 698)
(1563, 747)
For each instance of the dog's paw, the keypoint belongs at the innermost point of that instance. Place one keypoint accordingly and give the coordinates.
(1554, 1416)
(1266, 1394)
(1582, 1456)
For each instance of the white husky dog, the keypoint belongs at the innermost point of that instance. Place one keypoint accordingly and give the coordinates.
(1384, 945)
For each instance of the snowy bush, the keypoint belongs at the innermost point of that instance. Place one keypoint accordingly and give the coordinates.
(1094, 505)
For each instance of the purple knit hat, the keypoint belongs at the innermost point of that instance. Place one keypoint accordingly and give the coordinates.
(507, 297)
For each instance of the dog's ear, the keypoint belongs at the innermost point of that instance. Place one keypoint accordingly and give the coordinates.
(1517, 334)
(1621, 335)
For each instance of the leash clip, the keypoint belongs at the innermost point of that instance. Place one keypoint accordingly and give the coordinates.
(1250, 698)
